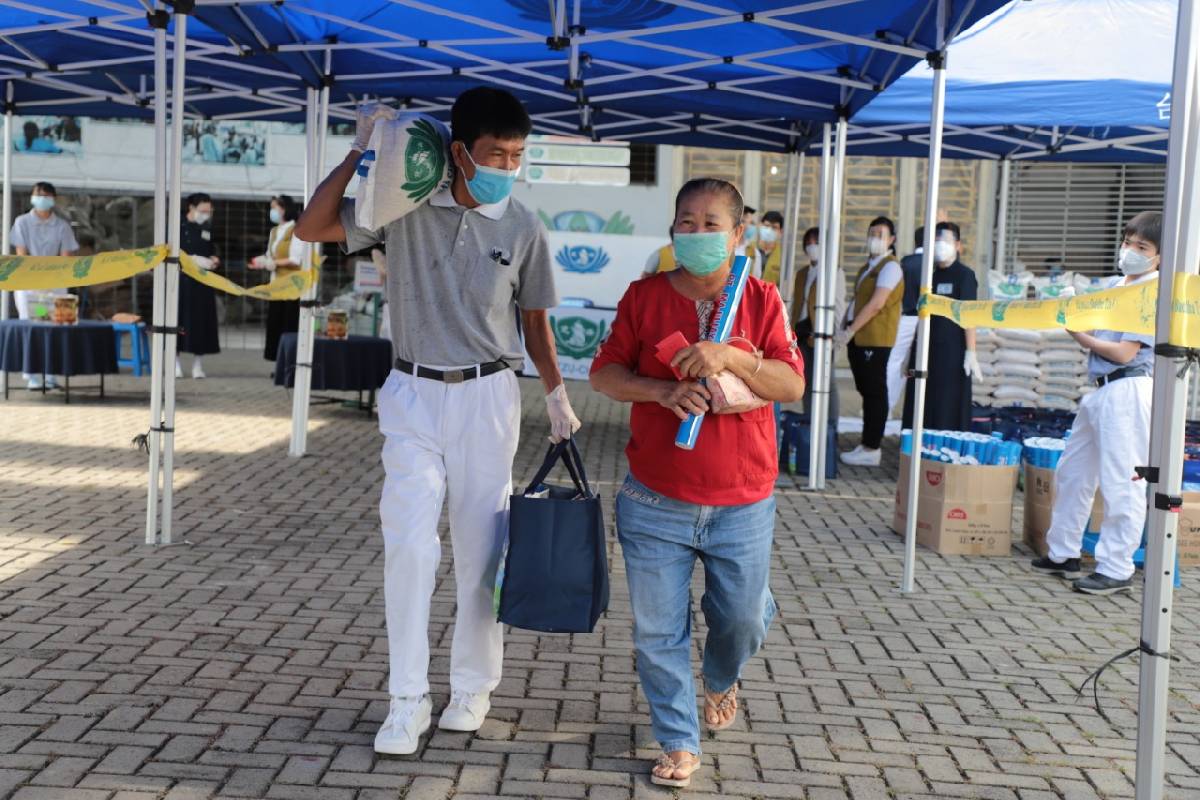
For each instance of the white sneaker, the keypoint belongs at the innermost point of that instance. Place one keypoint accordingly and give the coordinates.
(400, 733)
(178, 369)
(198, 371)
(51, 382)
(465, 712)
(861, 457)
(33, 383)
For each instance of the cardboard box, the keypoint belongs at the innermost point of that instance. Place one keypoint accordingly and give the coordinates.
(1039, 505)
(1189, 530)
(961, 509)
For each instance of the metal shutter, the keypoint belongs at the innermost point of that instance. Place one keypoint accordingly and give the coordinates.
(1075, 213)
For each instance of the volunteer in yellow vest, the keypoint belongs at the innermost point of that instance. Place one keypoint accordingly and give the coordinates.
(285, 253)
(869, 330)
(770, 239)
(804, 304)
(662, 259)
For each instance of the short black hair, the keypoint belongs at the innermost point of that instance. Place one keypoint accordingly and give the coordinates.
(196, 199)
(486, 110)
(1146, 225)
(290, 209)
(45, 187)
(919, 236)
(749, 210)
(773, 217)
(949, 226)
(812, 235)
(713, 186)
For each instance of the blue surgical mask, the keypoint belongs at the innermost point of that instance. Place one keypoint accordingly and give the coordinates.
(490, 185)
(751, 232)
(702, 253)
(767, 235)
(276, 217)
(42, 202)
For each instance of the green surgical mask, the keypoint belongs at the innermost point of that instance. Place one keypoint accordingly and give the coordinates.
(702, 253)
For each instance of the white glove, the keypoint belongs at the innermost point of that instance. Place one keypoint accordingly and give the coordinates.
(267, 262)
(204, 263)
(563, 422)
(841, 338)
(971, 366)
(364, 122)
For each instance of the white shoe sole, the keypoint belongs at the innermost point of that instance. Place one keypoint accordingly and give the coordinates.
(404, 750)
(443, 725)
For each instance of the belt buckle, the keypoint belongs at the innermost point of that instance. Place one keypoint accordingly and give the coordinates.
(454, 376)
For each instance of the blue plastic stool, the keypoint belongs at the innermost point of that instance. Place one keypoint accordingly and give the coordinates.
(139, 346)
(1090, 538)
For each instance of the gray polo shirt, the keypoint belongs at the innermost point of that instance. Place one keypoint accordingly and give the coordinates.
(1098, 365)
(457, 277)
(43, 237)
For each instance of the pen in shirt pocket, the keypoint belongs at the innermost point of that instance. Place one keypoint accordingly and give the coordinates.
(501, 257)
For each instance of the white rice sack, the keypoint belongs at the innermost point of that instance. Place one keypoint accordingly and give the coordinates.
(1057, 337)
(1014, 355)
(1063, 354)
(985, 336)
(1054, 287)
(1085, 389)
(1086, 285)
(1014, 286)
(1063, 388)
(1058, 401)
(1019, 336)
(1012, 369)
(987, 368)
(406, 162)
(1009, 393)
(1016, 380)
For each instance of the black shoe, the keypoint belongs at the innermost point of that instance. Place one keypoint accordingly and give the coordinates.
(1068, 569)
(1102, 584)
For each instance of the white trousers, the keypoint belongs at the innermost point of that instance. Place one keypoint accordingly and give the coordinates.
(457, 441)
(1110, 437)
(898, 360)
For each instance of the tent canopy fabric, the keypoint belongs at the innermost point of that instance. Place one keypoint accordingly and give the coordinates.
(1068, 80)
(721, 73)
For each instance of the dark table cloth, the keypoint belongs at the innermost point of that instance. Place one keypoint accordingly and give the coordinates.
(43, 348)
(357, 363)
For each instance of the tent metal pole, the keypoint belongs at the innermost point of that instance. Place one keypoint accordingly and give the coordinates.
(937, 116)
(998, 262)
(6, 211)
(819, 404)
(787, 263)
(302, 383)
(831, 271)
(174, 222)
(1180, 254)
(160, 278)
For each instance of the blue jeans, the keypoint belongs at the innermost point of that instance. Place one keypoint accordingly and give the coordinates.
(661, 539)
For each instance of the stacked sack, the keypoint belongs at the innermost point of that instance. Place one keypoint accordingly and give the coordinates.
(1037, 369)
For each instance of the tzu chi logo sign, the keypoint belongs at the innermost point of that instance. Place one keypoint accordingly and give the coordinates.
(577, 337)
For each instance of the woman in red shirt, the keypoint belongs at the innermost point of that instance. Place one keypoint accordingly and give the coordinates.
(714, 502)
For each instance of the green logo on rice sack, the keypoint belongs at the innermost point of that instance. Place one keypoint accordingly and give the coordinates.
(424, 160)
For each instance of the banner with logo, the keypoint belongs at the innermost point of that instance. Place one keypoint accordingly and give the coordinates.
(1130, 309)
(578, 333)
(599, 266)
(58, 272)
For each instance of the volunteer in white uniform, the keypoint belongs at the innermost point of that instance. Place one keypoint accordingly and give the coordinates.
(40, 232)
(459, 268)
(1109, 439)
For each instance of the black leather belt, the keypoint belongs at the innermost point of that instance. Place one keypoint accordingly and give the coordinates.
(451, 375)
(1122, 372)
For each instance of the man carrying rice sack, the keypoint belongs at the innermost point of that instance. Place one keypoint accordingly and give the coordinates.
(1109, 438)
(460, 265)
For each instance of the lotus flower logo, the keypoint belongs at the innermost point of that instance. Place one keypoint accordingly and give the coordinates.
(8, 266)
(582, 258)
(424, 160)
(577, 337)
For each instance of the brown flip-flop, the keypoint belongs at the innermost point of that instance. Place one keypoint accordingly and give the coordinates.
(672, 766)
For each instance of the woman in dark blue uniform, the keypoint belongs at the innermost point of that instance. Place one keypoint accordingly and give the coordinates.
(952, 361)
(197, 302)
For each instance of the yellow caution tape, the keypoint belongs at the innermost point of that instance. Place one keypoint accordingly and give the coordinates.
(56, 272)
(1130, 309)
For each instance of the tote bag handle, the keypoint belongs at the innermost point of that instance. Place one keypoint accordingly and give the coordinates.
(569, 454)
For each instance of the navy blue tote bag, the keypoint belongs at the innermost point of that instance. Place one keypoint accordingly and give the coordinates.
(554, 575)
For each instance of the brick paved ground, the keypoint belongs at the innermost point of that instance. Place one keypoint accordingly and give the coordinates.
(249, 660)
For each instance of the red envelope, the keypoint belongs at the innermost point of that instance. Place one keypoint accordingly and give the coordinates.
(665, 350)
